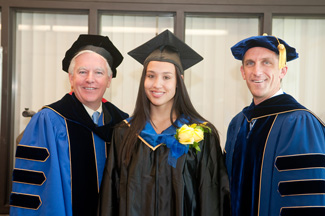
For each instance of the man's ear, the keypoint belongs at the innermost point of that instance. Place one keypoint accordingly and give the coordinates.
(109, 81)
(283, 72)
(71, 80)
(242, 72)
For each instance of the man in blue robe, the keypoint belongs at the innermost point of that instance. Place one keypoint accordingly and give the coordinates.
(275, 148)
(61, 156)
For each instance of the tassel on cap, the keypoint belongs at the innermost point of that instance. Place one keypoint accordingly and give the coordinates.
(277, 45)
(282, 53)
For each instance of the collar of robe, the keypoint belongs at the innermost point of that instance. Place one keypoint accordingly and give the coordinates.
(72, 109)
(272, 106)
(167, 137)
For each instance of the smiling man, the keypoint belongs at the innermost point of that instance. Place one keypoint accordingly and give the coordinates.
(275, 148)
(61, 156)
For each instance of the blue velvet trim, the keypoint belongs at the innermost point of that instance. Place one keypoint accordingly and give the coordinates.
(25, 201)
(271, 106)
(300, 162)
(32, 153)
(28, 177)
(246, 167)
(302, 187)
(303, 211)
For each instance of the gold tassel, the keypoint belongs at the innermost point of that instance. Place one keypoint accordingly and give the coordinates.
(282, 53)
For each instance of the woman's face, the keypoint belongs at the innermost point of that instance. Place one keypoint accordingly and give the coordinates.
(160, 84)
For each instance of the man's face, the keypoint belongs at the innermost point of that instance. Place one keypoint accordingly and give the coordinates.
(90, 79)
(261, 71)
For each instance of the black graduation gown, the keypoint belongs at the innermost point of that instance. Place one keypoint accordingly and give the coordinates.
(150, 186)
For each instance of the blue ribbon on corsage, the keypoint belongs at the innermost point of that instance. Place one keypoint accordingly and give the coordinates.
(176, 149)
(167, 137)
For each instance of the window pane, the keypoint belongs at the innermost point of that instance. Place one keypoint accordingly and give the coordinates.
(305, 77)
(128, 32)
(41, 42)
(215, 84)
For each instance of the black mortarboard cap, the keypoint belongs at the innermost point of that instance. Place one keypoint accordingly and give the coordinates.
(166, 47)
(277, 45)
(97, 43)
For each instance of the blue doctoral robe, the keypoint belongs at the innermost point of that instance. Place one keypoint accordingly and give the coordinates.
(278, 166)
(60, 160)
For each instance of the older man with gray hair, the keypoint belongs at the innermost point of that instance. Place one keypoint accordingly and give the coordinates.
(61, 156)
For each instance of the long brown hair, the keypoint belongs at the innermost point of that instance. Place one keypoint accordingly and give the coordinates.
(141, 114)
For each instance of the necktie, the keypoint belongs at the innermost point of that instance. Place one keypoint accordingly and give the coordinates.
(95, 117)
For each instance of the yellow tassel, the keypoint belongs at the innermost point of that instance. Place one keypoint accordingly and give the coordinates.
(282, 53)
(282, 56)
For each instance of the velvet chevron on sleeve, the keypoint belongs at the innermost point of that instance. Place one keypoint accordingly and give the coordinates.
(276, 166)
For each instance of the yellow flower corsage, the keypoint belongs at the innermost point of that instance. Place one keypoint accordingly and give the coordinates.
(192, 134)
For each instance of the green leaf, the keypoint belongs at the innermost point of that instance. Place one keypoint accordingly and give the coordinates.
(196, 146)
(176, 135)
(206, 129)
